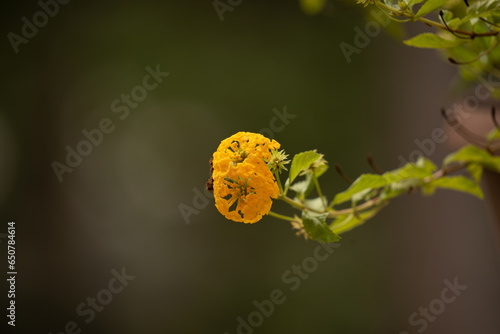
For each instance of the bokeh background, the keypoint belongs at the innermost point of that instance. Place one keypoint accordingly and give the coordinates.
(119, 208)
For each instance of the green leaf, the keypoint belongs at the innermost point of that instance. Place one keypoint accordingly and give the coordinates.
(303, 187)
(460, 183)
(493, 135)
(430, 6)
(302, 161)
(362, 195)
(362, 183)
(317, 229)
(447, 15)
(428, 189)
(429, 40)
(398, 188)
(483, 7)
(390, 3)
(463, 52)
(420, 170)
(414, 2)
(320, 170)
(474, 154)
(426, 165)
(454, 23)
(409, 176)
(316, 203)
(344, 223)
(476, 171)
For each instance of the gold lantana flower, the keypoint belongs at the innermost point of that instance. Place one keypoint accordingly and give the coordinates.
(243, 184)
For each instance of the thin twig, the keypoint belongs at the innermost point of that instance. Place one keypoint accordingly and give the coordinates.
(342, 174)
(318, 189)
(462, 131)
(280, 216)
(455, 62)
(493, 24)
(494, 118)
(449, 29)
(373, 165)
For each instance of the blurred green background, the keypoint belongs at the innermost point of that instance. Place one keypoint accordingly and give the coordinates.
(120, 206)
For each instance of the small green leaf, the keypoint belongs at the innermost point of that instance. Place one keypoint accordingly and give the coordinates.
(303, 187)
(411, 175)
(315, 203)
(460, 183)
(317, 229)
(420, 170)
(430, 6)
(414, 2)
(302, 161)
(426, 165)
(493, 135)
(476, 171)
(454, 23)
(447, 15)
(362, 195)
(428, 189)
(429, 40)
(474, 154)
(483, 7)
(398, 188)
(320, 170)
(362, 183)
(344, 223)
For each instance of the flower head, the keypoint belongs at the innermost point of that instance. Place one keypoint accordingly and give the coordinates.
(278, 161)
(298, 225)
(243, 183)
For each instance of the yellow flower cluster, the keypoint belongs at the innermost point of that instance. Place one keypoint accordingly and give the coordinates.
(243, 183)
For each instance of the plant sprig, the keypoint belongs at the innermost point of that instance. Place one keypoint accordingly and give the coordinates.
(369, 193)
(467, 34)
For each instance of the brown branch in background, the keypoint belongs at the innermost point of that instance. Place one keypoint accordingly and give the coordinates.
(441, 15)
(455, 62)
(494, 118)
(342, 174)
(493, 24)
(462, 131)
(373, 165)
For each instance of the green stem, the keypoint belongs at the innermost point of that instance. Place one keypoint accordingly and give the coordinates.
(377, 201)
(331, 213)
(295, 204)
(277, 177)
(280, 216)
(365, 206)
(318, 189)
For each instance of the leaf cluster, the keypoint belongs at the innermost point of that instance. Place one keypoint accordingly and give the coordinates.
(325, 219)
